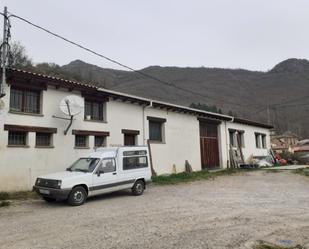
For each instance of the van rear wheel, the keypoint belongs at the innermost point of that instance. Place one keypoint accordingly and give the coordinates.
(138, 187)
(77, 196)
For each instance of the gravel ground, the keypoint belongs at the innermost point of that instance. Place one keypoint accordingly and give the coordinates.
(228, 212)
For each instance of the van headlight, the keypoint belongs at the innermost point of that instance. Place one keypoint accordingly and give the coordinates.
(38, 181)
(59, 183)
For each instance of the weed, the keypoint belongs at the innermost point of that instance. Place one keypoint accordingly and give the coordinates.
(302, 171)
(266, 245)
(5, 204)
(20, 195)
(4, 195)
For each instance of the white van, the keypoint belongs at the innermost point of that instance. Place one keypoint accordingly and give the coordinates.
(103, 171)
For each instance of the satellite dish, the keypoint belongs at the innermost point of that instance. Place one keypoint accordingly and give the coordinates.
(71, 105)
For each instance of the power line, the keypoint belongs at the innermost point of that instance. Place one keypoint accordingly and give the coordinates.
(121, 64)
(290, 101)
(295, 105)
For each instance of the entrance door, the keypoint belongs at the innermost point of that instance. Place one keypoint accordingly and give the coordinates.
(209, 145)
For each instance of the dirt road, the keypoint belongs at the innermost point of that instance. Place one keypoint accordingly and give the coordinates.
(228, 212)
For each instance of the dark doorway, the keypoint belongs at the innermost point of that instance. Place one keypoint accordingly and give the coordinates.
(209, 144)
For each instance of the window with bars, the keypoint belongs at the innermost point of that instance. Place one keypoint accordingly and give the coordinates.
(81, 141)
(17, 138)
(99, 141)
(25, 100)
(43, 139)
(94, 110)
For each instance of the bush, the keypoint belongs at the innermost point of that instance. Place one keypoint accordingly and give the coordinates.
(5, 203)
(4, 196)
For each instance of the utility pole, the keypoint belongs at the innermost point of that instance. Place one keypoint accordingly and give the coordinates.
(4, 51)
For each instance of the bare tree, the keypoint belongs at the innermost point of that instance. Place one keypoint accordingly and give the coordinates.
(18, 56)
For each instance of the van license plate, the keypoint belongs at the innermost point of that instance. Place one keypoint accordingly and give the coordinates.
(44, 191)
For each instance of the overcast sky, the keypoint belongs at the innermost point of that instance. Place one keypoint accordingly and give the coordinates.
(250, 34)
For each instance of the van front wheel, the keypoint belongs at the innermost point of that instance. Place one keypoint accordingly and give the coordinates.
(138, 187)
(77, 196)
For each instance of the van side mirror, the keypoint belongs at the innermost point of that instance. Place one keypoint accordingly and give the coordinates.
(100, 170)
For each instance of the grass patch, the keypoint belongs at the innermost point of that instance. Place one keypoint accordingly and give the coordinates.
(273, 170)
(303, 171)
(4, 203)
(189, 177)
(20, 195)
(266, 245)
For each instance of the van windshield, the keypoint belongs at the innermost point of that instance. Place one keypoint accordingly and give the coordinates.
(84, 164)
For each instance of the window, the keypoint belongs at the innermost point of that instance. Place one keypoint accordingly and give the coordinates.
(17, 138)
(81, 141)
(94, 110)
(84, 164)
(108, 165)
(232, 134)
(43, 139)
(241, 138)
(155, 131)
(25, 100)
(99, 141)
(263, 141)
(237, 138)
(135, 162)
(129, 139)
(258, 140)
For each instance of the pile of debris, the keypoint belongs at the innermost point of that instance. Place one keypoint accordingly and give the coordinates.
(237, 159)
(301, 151)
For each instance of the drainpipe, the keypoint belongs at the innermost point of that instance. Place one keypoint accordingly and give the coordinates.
(144, 123)
(227, 144)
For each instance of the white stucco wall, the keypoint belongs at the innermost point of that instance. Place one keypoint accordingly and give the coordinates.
(19, 167)
(181, 142)
(249, 139)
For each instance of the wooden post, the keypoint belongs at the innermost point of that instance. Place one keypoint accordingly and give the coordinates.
(153, 172)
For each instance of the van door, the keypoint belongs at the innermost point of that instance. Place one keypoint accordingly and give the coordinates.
(105, 179)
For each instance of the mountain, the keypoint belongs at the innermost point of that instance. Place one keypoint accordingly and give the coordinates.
(246, 93)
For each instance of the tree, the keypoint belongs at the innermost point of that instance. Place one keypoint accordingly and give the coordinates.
(18, 56)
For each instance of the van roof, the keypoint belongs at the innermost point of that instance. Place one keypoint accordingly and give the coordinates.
(112, 151)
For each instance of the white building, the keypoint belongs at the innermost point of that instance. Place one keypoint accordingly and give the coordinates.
(32, 140)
